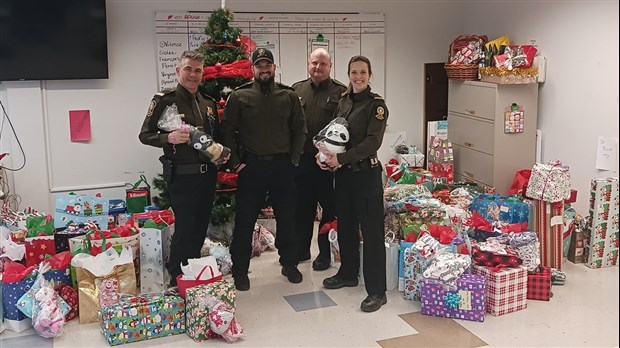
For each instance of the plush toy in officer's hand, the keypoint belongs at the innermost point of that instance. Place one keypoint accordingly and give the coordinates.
(333, 137)
(171, 120)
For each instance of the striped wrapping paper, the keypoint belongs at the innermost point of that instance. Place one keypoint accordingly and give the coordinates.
(548, 225)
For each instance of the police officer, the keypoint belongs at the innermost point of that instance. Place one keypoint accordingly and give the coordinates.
(319, 97)
(264, 126)
(359, 187)
(190, 176)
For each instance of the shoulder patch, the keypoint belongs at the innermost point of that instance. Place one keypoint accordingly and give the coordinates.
(380, 113)
(245, 85)
(154, 101)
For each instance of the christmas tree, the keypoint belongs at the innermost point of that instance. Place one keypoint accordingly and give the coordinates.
(227, 66)
(226, 56)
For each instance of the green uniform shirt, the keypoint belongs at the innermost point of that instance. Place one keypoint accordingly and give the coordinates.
(367, 115)
(197, 111)
(319, 104)
(269, 121)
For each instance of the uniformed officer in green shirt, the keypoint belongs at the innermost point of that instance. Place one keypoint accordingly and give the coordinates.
(359, 187)
(265, 128)
(319, 95)
(190, 175)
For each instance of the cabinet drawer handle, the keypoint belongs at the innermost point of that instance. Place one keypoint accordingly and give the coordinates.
(471, 112)
(468, 174)
(468, 144)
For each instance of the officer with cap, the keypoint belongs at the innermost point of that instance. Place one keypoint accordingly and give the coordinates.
(189, 175)
(265, 128)
(319, 95)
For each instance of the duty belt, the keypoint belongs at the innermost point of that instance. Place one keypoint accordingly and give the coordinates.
(190, 168)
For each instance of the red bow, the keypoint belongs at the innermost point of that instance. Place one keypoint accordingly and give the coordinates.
(328, 226)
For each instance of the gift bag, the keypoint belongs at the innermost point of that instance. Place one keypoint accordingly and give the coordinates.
(138, 196)
(440, 151)
(391, 264)
(37, 248)
(62, 235)
(198, 272)
(16, 281)
(101, 279)
(101, 240)
(80, 209)
(154, 254)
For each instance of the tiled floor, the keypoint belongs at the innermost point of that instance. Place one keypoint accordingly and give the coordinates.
(276, 313)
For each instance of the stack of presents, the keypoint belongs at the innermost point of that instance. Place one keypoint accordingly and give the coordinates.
(465, 251)
(102, 260)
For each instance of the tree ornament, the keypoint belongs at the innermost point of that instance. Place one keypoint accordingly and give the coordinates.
(238, 40)
(218, 66)
(222, 102)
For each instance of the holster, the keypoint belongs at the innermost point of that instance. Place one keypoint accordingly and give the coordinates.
(166, 168)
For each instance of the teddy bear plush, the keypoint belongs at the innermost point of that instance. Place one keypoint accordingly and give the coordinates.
(47, 318)
(333, 137)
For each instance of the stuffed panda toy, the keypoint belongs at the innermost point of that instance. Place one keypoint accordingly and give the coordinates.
(333, 137)
(215, 152)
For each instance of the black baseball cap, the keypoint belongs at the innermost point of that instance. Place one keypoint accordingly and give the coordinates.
(262, 54)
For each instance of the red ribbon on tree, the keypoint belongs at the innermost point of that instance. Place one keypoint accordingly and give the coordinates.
(238, 68)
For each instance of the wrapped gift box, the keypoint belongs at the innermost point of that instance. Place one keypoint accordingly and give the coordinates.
(506, 289)
(198, 325)
(142, 318)
(508, 209)
(414, 266)
(442, 172)
(413, 221)
(412, 160)
(549, 226)
(604, 239)
(539, 285)
(470, 292)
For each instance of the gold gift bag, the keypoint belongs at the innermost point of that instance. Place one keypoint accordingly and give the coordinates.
(96, 292)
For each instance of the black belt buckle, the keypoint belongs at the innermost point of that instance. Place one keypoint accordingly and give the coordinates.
(203, 168)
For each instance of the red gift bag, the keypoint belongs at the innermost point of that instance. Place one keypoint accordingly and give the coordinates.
(539, 284)
(37, 248)
(185, 284)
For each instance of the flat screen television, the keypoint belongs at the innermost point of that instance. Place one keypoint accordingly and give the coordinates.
(53, 40)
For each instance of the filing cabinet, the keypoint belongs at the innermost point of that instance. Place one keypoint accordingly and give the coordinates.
(485, 151)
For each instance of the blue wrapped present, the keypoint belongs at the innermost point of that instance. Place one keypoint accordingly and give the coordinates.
(507, 209)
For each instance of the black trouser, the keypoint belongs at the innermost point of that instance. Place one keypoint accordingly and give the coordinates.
(191, 198)
(276, 176)
(359, 204)
(314, 185)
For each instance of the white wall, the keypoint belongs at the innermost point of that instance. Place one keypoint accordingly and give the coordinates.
(576, 103)
(579, 100)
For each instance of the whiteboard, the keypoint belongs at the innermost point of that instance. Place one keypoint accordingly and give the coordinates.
(290, 36)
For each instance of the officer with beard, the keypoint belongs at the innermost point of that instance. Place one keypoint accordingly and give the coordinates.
(265, 128)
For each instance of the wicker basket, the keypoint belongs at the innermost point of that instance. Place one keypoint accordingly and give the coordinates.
(462, 71)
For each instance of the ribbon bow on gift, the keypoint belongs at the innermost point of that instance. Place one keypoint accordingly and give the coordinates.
(452, 300)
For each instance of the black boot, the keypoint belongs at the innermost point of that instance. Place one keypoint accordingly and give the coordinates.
(373, 302)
